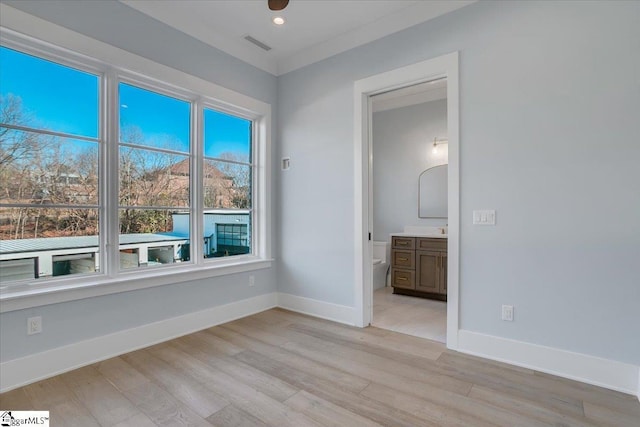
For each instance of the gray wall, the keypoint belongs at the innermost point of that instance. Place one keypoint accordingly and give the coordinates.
(402, 150)
(549, 107)
(66, 323)
(550, 99)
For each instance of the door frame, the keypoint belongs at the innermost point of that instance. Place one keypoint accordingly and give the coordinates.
(442, 66)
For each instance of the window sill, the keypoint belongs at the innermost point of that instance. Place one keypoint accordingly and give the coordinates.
(92, 286)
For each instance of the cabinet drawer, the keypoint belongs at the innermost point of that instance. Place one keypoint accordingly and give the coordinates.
(403, 242)
(425, 243)
(403, 278)
(403, 259)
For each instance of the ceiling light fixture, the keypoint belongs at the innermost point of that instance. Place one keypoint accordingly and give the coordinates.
(278, 20)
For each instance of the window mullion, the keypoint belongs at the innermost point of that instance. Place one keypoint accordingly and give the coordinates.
(197, 199)
(111, 176)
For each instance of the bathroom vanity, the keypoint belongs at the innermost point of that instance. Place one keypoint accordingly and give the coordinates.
(419, 265)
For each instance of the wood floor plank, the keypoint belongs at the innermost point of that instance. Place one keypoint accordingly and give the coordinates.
(243, 396)
(381, 358)
(527, 408)
(316, 384)
(424, 409)
(420, 358)
(588, 393)
(105, 403)
(162, 408)
(610, 417)
(271, 386)
(122, 375)
(210, 343)
(280, 368)
(325, 412)
(71, 413)
(16, 400)
(358, 358)
(257, 330)
(368, 365)
(508, 382)
(190, 392)
(372, 336)
(48, 393)
(232, 416)
(340, 378)
(138, 420)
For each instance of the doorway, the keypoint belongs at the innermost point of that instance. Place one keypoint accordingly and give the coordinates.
(409, 192)
(441, 67)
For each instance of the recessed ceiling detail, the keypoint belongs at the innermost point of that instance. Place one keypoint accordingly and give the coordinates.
(315, 29)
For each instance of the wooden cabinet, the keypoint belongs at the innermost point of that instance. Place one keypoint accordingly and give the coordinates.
(419, 266)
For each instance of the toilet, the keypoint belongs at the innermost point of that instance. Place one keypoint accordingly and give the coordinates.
(380, 264)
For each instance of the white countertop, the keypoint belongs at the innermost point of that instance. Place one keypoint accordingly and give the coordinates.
(430, 235)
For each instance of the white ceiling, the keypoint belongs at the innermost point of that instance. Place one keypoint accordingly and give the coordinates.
(314, 29)
(411, 95)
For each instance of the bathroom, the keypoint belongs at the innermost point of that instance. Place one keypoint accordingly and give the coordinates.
(409, 177)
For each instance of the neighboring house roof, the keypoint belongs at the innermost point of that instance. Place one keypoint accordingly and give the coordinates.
(182, 169)
(74, 242)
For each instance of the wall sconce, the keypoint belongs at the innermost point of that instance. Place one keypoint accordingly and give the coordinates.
(437, 142)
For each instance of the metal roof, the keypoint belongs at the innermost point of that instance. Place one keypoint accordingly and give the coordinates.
(74, 242)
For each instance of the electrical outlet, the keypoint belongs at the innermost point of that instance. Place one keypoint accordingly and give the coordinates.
(507, 313)
(34, 325)
(252, 280)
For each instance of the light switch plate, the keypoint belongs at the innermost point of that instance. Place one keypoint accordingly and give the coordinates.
(286, 163)
(507, 313)
(484, 217)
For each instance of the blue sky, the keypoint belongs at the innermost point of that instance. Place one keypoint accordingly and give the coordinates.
(57, 97)
(67, 100)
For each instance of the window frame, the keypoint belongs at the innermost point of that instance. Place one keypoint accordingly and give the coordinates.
(114, 65)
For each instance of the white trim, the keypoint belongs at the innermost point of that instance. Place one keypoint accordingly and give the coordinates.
(25, 370)
(442, 66)
(15, 373)
(324, 310)
(601, 372)
(93, 286)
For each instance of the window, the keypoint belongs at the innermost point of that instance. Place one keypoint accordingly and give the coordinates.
(227, 180)
(90, 153)
(154, 171)
(49, 160)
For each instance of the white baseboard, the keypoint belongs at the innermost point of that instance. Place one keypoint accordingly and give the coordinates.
(606, 373)
(588, 369)
(35, 367)
(324, 310)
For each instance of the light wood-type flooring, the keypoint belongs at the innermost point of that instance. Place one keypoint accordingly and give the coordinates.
(420, 317)
(279, 368)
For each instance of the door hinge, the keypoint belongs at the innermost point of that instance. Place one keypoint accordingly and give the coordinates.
(369, 235)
